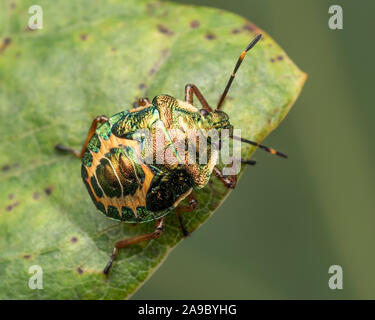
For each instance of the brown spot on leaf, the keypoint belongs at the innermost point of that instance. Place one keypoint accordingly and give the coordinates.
(163, 29)
(11, 206)
(152, 71)
(210, 36)
(74, 239)
(27, 256)
(249, 27)
(280, 58)
(83, 36)
(252, 28)
(6, 42)
(142, 86)
(48, 190)
(236, 30)
(272, 60)
(194, 24)
(10, 196)
(13, 5)
(7, 167)
(35, 195)
(79, 270)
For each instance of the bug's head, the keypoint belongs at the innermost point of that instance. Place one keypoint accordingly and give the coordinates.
(216, 119)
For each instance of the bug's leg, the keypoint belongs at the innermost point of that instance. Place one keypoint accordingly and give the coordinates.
(250, 162)
(228, 181)
(127, 242)
(192, 205)
(191, 89)
(231, 180)
(144, 102)
(141, 102)
(79, 154)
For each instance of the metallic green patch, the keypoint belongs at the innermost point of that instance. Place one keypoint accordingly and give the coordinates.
(107, 179)
(128, 215)
(97, 189)
(87, 158)
(104, 131)
(115, 118)
(113, 213)
(144, 214)
(94, 144)
(123, 126)
(131, 122)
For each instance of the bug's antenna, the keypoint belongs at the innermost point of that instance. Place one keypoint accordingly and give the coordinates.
(239, 61)
(269, 150)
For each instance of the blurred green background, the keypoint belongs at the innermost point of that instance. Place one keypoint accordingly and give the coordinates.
(288, 221)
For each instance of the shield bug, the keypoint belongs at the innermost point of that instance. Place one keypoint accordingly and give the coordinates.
(125, 187)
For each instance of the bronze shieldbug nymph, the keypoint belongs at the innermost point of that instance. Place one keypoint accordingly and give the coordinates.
(126, 188)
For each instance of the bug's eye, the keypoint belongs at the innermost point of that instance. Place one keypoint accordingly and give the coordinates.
(203, 112)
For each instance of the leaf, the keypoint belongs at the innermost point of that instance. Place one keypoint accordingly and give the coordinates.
(94, 58)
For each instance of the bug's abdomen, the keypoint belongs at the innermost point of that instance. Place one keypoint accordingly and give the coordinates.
(116, 179)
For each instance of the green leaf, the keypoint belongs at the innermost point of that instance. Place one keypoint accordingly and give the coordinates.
(93, 58)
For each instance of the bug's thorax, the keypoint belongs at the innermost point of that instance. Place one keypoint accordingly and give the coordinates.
(181, 114)
(191, 124)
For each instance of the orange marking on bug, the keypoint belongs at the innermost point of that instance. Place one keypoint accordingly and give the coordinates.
(138, 199)
(272, 151)
(139, 108)
(243, 54)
